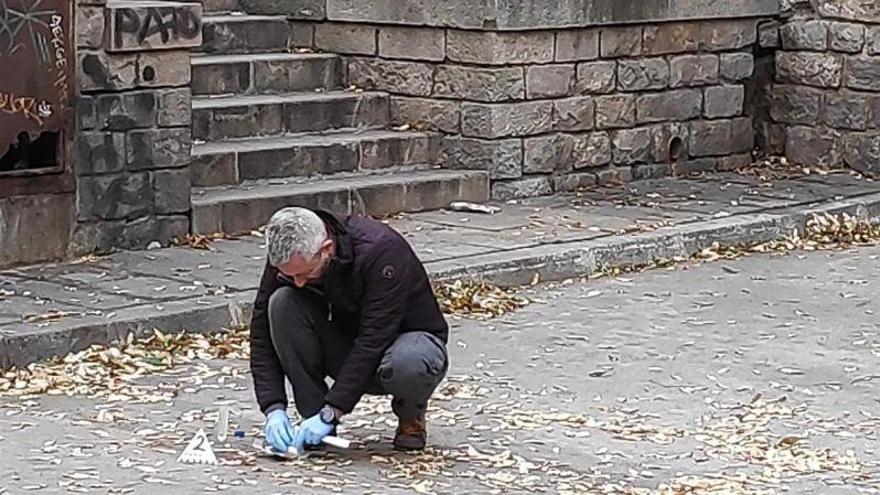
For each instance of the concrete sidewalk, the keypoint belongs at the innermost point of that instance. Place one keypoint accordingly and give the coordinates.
(53, 309)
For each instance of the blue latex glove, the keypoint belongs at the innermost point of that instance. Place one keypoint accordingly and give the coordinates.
(279, 431)
(311, 432)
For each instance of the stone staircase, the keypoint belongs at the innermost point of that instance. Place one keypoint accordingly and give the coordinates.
(273, 127)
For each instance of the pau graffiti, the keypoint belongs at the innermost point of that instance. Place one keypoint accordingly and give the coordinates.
(156, 27)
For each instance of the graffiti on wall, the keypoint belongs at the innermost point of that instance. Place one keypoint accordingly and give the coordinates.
(136, 28)
(36, 50)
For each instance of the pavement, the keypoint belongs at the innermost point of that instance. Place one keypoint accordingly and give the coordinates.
(53, 309)
(750, 376)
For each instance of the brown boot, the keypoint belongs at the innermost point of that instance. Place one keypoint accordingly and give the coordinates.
(411, 434)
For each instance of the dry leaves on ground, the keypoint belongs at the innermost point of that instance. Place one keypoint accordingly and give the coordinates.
(477, 298)
(102, 371)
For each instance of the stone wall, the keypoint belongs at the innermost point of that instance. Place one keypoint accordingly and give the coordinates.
(133, 122)
(826, 100)
(556, 109)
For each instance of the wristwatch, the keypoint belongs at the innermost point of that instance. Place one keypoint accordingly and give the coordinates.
(329, 416)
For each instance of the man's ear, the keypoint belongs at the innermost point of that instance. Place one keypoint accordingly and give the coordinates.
(327, 246)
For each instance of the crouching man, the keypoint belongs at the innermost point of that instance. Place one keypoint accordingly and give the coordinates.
(350, 300)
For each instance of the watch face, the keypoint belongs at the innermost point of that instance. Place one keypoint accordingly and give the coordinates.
(327, 415)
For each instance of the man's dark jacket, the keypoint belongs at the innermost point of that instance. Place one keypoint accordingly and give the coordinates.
(376, 283)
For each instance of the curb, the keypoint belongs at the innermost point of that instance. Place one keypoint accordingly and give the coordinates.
(551, 262)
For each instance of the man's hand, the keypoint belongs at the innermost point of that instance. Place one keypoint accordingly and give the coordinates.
(311, 432)
(279, 431)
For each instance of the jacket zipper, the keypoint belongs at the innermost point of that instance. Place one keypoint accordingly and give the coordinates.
(316, 291)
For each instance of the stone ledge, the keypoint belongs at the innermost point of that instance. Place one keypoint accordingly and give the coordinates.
(509, 15)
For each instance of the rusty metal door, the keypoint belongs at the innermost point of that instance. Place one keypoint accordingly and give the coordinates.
(37, 93)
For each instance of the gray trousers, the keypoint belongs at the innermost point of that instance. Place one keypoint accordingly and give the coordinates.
(311, 347)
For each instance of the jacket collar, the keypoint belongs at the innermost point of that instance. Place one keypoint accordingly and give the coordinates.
(344, 255)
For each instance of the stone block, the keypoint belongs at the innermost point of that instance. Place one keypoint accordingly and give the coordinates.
(251, 34)
(297, 9)
(500, 48)
(549, 81)
(847, 111)
(803, 34)
(86, 115)
(670, 142)
(615, 111)
(303, 34)
(547, 154)
(856, 10)
(100, 71)
(239, 121)
(621, 42)
(631, 146)
(573, 182)
(863, 73)
(502, 158)
(522, 188)
(591, 150)
(217, 79)
(574, 114)
(90, 27)
(171, 191)
(412, 43)
(427, 113)
(721, 137)
(480, 84)
(564, 152)
(595, 78)
(576, 45)
(305, 74)
(99, 152)
(737, 66)
(680, 104)
(723, 101)
(35, 228)
(862, 152)
(124, 111)
(494, 120)
(823, 70)
(872, 39)
(363, 110)
(768, 34)
(728, 34)
(351, 39)
(846, 37)
(114, 196)
(642, 74)
(693, 70)
(171, 227)
(396, 151)
(795, 104)
(651, 171)
(875, 112)
(214, 170)
(812, 147)
(408, 78)
(171, 68)
(614, 176)
(158, 148)
(148, 26)
(175, 107)
(662, 39)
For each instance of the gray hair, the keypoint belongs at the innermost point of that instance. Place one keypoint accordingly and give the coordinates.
(294, 231)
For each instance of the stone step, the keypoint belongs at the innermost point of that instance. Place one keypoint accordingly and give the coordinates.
(216, 118)
(233, 161)
(227, 34)
(265, 73)
(247, 206)
(211, 6)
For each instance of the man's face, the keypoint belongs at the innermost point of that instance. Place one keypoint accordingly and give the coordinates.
(303, 270)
